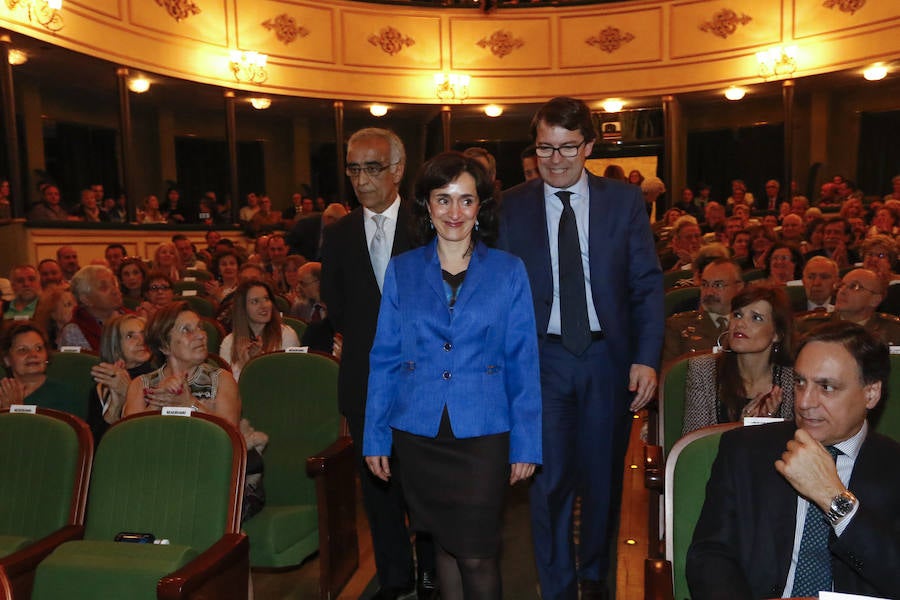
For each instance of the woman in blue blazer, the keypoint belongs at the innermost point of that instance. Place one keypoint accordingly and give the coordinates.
(454, 377)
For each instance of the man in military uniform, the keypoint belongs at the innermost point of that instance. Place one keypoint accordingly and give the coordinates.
(698, 330)
(858, 295)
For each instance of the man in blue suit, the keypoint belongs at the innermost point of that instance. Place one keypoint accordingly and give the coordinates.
(600, 326)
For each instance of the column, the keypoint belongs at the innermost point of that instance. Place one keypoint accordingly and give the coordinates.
(339, 150)
(126, 145)
(231, 143)
(787, 96)
(445, 126)
(675, 166)
(8, 106)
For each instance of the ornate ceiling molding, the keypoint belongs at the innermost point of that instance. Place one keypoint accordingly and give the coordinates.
(848, 6)
(179, 9)
(390, 40)
(610, 39)
(39, 12)
(725, 22)
(286, 28)
(501, 43)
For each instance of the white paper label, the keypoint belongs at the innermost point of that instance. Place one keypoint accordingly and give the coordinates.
(188, 292)
(761, 420)
(23, 409)
(177, 411)
(74, 349)
(189, 279)
(297, 349)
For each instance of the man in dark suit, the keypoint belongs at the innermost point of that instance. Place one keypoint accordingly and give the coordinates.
(305, 237)
(795, 508)
(355, 254)
(600, 328)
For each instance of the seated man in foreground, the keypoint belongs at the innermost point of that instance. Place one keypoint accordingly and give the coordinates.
(781, 517)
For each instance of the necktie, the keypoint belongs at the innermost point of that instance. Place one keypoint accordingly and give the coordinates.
(813, 573)
(316, 313)
(573, 314)
(379, 251)
(722, 322)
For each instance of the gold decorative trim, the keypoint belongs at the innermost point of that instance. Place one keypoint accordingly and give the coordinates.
(850, 6)
(390, 40)
(725, 22)
(179, 9)
(501, 43)
(39, 12)
(610, 39)
(286, 28)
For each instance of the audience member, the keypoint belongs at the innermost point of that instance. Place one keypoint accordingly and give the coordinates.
(714, 215)
(292, 292)
(685, 244)
(792, 229)
(97, 293)
(50, 272)
(529, 164)
(54, 310)
(248, 210)
(151, 212)
(820, 277)
(175, 211)
(132, 274)
(309, 306)
(167, 260)
(256, 327)
(879, 253)
(751, 376)
(634, 177)
(305, 237)
(895, 185)
(739, 195)
(186, 253)
(225, 267)
(615, 172)
(652, 188)
(25, 352)
(26, 288)
(771, 486)
(740, 250)
(49, 208)
(265, 220)
(158, 291)
(772, 198)
(67, 258)
(114, 254)
(700, 330)
(278, 252)
(835, 243)
(87, 209)
(761, 241)
(784, 263)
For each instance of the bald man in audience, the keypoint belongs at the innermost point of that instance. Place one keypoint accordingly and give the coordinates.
(50, 272)
(792, 229)
(686, 240)
(26, 287)
(858, 295)
(699, 330)
(820, 277)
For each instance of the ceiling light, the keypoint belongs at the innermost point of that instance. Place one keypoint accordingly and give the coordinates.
(138, 85)
(612, 105)
(777, 61)
(17, 57)
(451, 86)
(876, 72)
(378, 110)
(493, 110)
(735, 93)
(55, 4)
(249, 66)
(261, 103)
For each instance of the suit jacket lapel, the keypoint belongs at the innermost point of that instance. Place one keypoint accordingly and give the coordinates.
(599, 224)
(474, 276)
(432, 271)
(360, 249)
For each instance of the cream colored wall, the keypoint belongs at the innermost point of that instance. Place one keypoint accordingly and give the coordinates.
(366, 51)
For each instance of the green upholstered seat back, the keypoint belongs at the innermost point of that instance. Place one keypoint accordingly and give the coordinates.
(674, 298)
(169, 476)
(74, 369)
(671, 403)
(213, 334)
(38, 470)
(296, 324)
(293, 398)
(687, 471)
(201, 306)
(886, 417)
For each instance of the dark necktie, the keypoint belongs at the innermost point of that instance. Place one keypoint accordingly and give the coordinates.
(575, 329)
(813, 573)
(316, 313)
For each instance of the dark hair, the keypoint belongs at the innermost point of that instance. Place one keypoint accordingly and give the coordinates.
(615, 172)
(730, 386)
(160, 325)
(568, 113)
(873, 357)
(439, 172)
(16, 329)
(796, 256)
(218, 256)
(178, 237)
(154, 276)
(114, 246)
(270, 337)
(528, 152)
(132, 260)
(812, 225)
(848, 230)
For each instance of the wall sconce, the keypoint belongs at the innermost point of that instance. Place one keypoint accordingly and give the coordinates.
(17, 57)
(451, 86)
(378, 110)
(876, 72)
(777, 61)
(613, 105)
(43, 12)
(260, 103)
(138, 85)
(493, 110)
(249, 67)
(735, 93)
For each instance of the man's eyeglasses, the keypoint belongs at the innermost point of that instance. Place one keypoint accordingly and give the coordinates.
(854, 286)
(370, 169)
(159, 288)
(718, 284)
(567, 151)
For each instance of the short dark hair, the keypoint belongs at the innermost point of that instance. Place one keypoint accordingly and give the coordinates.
(114, 246)
(442, 170)
(796, 256)
(16, 329)
(569, 113)
(179, 237)
(873, 357)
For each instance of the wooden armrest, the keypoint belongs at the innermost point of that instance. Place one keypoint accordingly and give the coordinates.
(320, 464)
(19, 567)
(658, 580)
(222, 571)
(654, 468)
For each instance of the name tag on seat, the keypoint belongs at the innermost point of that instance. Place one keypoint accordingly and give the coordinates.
(23, 409)
(177, 411)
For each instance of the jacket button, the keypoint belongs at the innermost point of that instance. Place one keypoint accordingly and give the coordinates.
(448, 346)
(446, 375)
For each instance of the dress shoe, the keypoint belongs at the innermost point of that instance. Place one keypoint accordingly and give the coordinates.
(389, 593)
(594, 590)
(427, 586)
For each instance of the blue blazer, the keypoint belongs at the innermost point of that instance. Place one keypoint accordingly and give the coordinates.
(626, 280)
(479, 359)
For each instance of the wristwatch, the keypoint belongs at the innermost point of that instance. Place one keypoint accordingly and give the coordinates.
(841, 505)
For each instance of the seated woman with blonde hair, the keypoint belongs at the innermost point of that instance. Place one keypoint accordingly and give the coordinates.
(178, 341)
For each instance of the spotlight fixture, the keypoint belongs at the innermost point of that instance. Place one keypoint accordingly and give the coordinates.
(876, 72)
(493, 110)
(260, 103)
(735, 93)
(138, 85)
(17, 57)
(613, 105)
(451, 86)
(249, 67)
(378, 110)
(777, 61)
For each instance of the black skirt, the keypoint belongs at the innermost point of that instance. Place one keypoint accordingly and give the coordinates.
(455, 487)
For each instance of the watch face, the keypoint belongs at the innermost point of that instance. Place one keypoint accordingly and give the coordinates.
(842, 504)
